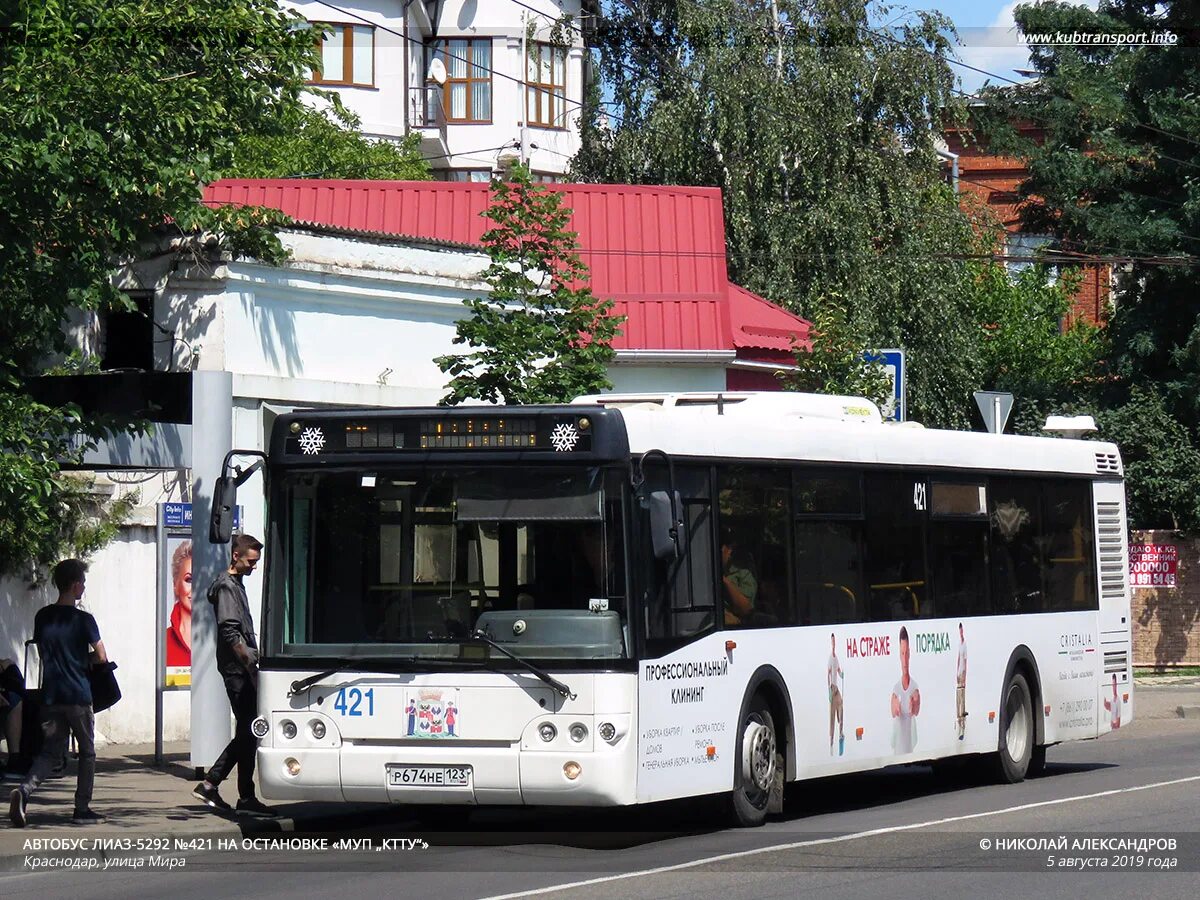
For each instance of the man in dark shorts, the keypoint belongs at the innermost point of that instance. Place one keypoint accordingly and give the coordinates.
(66, 636)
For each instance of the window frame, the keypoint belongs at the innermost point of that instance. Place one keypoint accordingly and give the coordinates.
(347, 29)
(441, 48)
(537, 90)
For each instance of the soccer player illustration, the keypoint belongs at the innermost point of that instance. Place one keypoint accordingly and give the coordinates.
(906, 703)
(1114, 706)
(960, 692)
(832, 672)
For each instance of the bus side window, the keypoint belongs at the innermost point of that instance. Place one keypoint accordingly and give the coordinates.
(829, 530)
(680, 601)
(897, 504)
(1016, 526)
(958, 549)
(1069, 573)
(755, 578)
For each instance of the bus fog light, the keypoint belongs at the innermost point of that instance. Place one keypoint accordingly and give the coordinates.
(288, 727)
(318, 728)
(547, 731)
(572, 770)
(259, 727)
(578, 732)
(291, 765)
(607, 730)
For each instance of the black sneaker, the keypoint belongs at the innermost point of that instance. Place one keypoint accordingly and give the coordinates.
(255, 807)
(87, 817)
(16, 808)
(211, 796)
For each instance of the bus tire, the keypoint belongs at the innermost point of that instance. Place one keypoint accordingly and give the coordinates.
(1037, 762)
(1017, 734)
(758, 760)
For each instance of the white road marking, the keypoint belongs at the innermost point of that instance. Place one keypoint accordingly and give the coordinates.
(815, 842)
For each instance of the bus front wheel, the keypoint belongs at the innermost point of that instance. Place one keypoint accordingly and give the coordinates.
(757, 762)
(1017, 735)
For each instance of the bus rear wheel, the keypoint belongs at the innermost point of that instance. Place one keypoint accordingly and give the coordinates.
(757, 761)
(1017, 734)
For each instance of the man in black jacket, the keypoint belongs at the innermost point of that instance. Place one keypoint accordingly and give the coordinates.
(237, 661)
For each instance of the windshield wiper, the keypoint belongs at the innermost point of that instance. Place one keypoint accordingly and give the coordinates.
(543, 675)
(302, 684)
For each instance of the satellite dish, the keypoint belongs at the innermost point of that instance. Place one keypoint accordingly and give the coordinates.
(437, 72)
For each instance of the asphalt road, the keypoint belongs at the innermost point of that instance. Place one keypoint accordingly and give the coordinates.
(897, 833)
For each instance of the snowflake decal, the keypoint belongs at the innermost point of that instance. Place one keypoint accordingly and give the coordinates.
(564, 437)
(312, 440)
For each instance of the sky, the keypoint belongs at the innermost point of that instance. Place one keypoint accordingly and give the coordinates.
(987, 34)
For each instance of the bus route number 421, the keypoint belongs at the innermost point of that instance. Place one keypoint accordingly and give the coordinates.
(354, 702)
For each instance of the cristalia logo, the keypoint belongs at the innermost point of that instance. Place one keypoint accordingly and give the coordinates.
(1076, 641)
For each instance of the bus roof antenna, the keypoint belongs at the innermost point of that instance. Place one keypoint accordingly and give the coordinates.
(720, 404)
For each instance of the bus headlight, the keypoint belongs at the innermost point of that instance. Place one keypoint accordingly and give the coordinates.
(607, 731)
(578, 732)
(259, 727)
(291, 765)
(547, 731)
(318, 728)
(288, 727)
(572, 770)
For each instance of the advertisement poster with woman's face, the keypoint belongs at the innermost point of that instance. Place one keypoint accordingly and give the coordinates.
(178, 593)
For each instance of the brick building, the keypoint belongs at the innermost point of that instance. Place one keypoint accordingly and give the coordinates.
(989, 182)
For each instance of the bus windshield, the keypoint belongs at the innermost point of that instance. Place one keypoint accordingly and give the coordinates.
(409, 563)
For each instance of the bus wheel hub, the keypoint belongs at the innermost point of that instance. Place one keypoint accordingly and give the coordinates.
(758, 756)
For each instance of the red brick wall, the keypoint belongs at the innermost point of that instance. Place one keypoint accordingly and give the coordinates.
(1166, 621)
(988, 187)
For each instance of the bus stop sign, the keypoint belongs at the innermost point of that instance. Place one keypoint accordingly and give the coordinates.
(893, 364)
(994, 407)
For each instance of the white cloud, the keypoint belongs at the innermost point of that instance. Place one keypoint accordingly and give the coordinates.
(995, 49)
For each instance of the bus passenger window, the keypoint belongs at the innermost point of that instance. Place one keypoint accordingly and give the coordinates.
(828, 573)
(1016, 524)
(1069, 572)
(958, 557)
(754, 581)
(829, 510)
(895, 539)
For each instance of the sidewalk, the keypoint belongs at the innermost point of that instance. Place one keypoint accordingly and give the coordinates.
(136, 797)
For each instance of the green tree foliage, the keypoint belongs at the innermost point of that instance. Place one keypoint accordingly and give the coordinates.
(1117, 173)
(816, 127)
(116, 113)
(325, 143)
(540, 335)
(836, 362)
(1024, 347)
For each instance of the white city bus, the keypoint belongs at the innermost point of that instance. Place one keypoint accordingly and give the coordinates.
(634, 599)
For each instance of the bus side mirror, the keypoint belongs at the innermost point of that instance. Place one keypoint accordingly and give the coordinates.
(664, 524)
(220, 525)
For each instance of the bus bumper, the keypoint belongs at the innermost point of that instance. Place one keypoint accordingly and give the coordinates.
(499, 775)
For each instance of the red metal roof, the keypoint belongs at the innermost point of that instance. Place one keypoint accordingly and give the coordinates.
(761, 325)
(657, 252)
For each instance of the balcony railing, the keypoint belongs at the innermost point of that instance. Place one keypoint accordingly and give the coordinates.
(425, 109)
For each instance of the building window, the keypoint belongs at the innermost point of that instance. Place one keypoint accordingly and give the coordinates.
(347, 55)
(476, 175)
(468, 90)
(546, 86)
(1023, 249)
(129, 334)
(548, 178)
